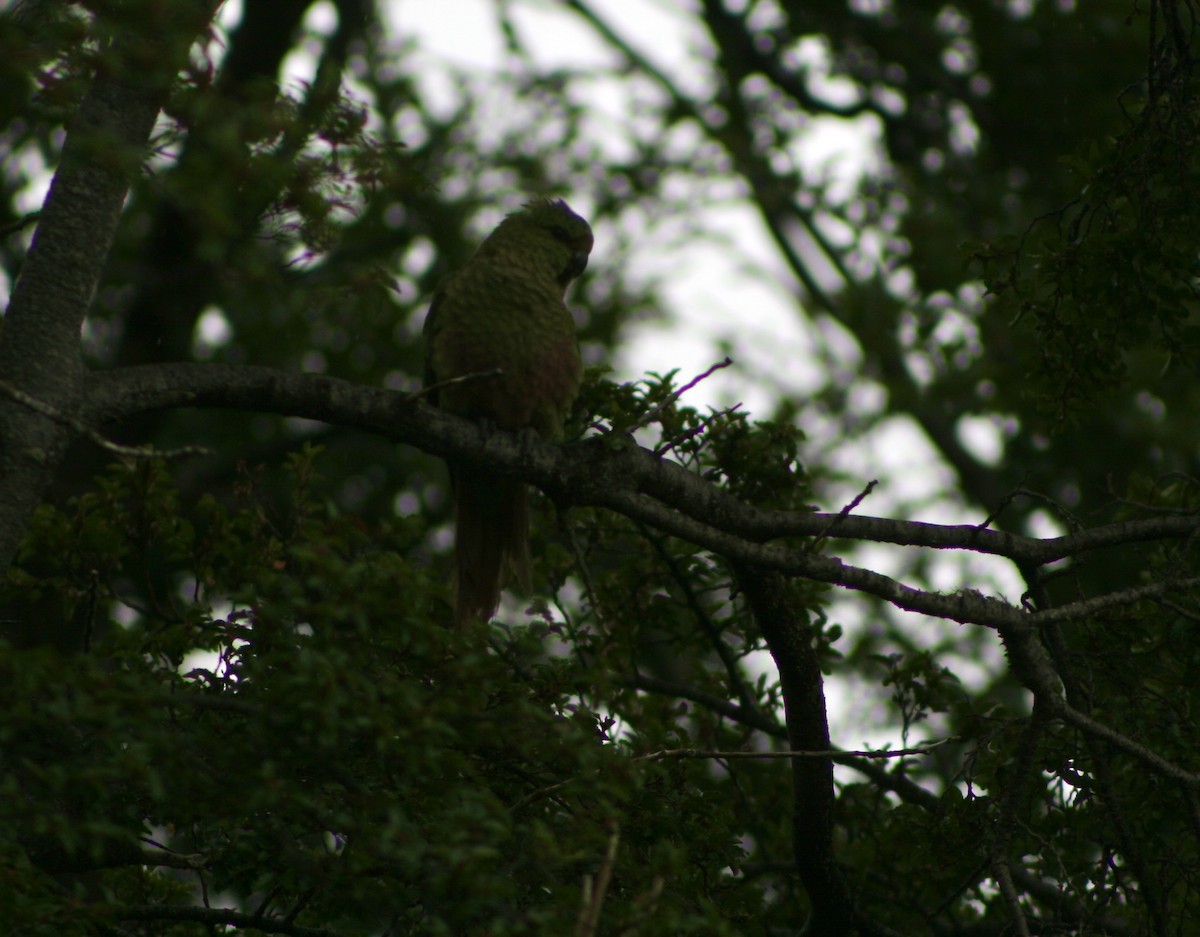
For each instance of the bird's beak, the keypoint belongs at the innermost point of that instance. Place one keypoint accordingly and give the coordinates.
(577, 265)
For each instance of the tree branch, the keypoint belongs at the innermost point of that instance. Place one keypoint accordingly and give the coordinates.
(789, 639)
(219, 916)
(634, 482)
(908, 791)
(39, 349)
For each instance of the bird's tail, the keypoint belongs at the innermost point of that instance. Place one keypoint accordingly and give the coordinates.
(491, 541)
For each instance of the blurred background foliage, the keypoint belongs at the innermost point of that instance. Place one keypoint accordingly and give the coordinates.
(1008, 284)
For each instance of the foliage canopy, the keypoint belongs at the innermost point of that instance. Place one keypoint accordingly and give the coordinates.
(231, 702)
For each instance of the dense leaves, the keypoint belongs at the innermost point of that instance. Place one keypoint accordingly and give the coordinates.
(293, 712)
(231, 701)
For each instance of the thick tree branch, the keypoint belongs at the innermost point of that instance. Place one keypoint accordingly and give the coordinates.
(39, 350)
(1149, 757)
(114, 395)
(790, 641)
(619, 475)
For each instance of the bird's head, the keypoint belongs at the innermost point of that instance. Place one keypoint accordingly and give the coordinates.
(548, 229)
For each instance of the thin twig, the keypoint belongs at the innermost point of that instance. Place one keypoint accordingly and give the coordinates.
(655, 411)
(644, 906)
(452, 381)
(160, 855)
(585, 572)
(838, 755)
(1075, 611)
(133, 452)
(694, 431)
(1003, 875)
(728, 658)
(216, 917)
(22, 222)
(1012, 801)
(1148, 757)
(1193, 809)
(594, 890)
(1177, 609)
(1000, 508)
(753, 718)
(844, 512)
(827, 753)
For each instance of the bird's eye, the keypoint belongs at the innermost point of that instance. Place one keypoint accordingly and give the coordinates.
(559, 232)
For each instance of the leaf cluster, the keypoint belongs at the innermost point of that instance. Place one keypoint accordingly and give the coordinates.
(277, 700)
(1107, 284)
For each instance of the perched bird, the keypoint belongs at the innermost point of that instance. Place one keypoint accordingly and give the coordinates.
(504, 311)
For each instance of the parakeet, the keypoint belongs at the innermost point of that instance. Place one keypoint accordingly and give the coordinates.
(504, 310)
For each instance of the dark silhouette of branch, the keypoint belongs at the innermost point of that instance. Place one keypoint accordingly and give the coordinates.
(39, 349)
(908, 791)
(789, 638)
(729, 659)
(219, 916)
(1012, 802)
(132, 452)
(751, 717)
(1150, 758)
(828, 754)
(623, 477)
(1065, 905)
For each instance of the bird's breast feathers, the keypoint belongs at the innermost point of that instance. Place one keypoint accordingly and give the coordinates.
(494, 316)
